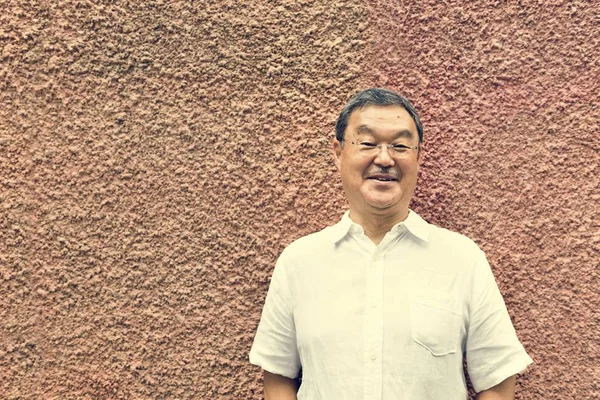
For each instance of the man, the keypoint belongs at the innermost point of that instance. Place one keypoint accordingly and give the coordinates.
(383, 305)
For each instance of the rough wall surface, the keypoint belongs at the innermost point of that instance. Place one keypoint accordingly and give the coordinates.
(510, 97)
(156, 157)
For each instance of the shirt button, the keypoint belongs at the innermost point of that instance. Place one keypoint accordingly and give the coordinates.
(373, 357)
(374, 305)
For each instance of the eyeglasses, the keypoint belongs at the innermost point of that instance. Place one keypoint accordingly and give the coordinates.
(396, 149)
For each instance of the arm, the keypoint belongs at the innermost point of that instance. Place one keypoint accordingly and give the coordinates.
(279, 387)
(505, 390)
(493, 351)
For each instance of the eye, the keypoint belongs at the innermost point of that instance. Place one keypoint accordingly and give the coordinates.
(400, 148)
(368, 145)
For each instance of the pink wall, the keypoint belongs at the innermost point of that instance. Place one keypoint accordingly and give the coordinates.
(510, 97)
(155, 158)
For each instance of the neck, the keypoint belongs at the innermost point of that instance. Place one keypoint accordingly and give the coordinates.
(376, 225)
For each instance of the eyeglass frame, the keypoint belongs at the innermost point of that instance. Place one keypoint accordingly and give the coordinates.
(379, 146)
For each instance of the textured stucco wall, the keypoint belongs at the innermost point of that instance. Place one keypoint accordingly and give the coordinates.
(155, 158)
(510, 95)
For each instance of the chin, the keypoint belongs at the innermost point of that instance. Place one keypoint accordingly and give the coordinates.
(379, 201)
(381, 205)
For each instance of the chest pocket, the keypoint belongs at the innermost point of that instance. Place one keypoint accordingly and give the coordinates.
(435, 325)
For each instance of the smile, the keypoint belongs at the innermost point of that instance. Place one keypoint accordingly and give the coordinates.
(383, 178)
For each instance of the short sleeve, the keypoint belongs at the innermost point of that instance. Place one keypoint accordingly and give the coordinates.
(493, 350)
(274, 348)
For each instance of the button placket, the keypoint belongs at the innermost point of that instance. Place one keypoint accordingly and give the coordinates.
(377, 390)
(373, 340)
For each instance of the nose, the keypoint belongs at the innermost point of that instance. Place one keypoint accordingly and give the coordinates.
(384, 158)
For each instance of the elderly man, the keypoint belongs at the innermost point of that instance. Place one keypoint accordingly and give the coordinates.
(384, 305)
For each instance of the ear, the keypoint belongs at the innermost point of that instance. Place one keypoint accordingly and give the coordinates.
(336, 151)
(420, 154)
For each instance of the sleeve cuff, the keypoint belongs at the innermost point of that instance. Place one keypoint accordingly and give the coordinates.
(500, 374)
(272, 367)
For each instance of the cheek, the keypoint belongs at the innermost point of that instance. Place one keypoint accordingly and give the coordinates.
(352, 170)
(409, 167)
(352, 179)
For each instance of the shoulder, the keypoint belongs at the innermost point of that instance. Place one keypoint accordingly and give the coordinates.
(437, 239)
(454, 248)
(447, 238)
(312, 244)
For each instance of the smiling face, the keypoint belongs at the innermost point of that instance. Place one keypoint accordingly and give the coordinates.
(379, 182)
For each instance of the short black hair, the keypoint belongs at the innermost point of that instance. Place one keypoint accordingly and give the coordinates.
(375, 97)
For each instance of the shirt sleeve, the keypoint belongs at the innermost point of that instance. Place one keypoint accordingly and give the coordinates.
(493, 350)
(274, 348)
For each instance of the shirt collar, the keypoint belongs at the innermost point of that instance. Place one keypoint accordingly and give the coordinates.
(416, 225)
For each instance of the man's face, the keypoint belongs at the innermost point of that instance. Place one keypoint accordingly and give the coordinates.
(381, 181)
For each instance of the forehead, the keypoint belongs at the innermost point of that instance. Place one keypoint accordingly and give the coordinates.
(381, 120)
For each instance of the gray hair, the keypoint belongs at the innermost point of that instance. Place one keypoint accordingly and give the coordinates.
(375, 97)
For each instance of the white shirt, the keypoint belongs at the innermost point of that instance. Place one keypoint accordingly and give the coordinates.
(386, 322)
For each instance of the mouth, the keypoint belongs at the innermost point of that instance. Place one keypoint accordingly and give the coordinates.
(383, 178)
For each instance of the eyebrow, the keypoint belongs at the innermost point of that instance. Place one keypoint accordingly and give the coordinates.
(366, 130)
